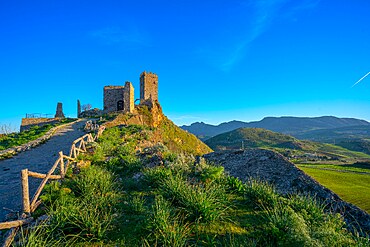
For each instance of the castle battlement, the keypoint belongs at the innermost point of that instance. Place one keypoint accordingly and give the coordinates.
(113, 87)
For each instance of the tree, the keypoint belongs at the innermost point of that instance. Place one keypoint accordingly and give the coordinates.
(86, 107)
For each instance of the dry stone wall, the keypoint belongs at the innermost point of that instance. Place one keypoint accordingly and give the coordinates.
(28, 123)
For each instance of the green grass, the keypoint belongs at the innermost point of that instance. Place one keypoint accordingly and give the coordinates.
(17, 139)
(122, 199)
(355, 168)
(350, 186)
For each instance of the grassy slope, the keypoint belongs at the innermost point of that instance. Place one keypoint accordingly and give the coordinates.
(346, 181)
(177, 139)
(17, 139)
(124, 199)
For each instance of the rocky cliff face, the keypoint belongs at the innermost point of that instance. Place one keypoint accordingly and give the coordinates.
(272, 167)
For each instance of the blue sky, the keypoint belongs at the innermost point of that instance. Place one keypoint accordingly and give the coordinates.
(216, 60)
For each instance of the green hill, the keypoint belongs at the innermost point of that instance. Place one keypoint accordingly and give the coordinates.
(292, 148)
(253, 138)
(134, 191)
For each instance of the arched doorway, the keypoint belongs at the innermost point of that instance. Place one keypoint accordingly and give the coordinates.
(120, 105)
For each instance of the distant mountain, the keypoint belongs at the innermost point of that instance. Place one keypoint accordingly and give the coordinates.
(292, 148)
(295, 126)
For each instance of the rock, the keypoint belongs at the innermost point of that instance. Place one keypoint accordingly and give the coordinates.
(273, 168)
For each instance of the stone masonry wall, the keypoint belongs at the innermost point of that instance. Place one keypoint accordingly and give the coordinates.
(148, 87)
(129, 98)
(112, 94)
(27, 123)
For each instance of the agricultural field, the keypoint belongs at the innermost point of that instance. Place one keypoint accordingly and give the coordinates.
(350, 182)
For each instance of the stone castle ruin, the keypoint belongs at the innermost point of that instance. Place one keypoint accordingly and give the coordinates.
(121, 98)
(116, 99)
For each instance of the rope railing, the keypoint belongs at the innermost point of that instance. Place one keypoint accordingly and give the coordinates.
(63, 163)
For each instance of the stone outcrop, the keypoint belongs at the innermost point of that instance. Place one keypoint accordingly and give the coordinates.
(149, 114)
(272, 167)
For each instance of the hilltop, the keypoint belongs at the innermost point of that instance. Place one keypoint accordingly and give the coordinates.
(164, 130)
(131, 190)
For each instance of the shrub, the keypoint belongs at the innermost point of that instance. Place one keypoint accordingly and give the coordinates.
(235, 185)
(212, 173)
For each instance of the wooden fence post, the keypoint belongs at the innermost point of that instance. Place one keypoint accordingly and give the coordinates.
(62, 172)
(74, 151)
(25, 192)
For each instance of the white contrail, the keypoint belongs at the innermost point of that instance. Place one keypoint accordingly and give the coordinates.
(368, 73)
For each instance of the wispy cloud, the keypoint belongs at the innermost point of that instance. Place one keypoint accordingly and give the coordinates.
(261, 14)
(115, 35)
(186, 119)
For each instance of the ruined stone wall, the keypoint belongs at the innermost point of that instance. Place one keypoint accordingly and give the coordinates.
(148, 87)
(28, 123)
(112, 94)
(78, 108)
(129, 99)
(59, 112)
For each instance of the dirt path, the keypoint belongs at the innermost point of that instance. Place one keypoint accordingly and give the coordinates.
(39, 159)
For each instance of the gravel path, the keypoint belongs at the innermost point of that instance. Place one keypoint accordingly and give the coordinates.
(39, 159)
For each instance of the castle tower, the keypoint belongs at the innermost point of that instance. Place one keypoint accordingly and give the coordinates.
(128, 96)
(148, 87)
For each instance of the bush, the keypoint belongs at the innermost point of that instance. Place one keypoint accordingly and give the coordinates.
(235, 185)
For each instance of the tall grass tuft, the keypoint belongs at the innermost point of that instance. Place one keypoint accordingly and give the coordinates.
(167, 229)
(201, 203)
(261, 193)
